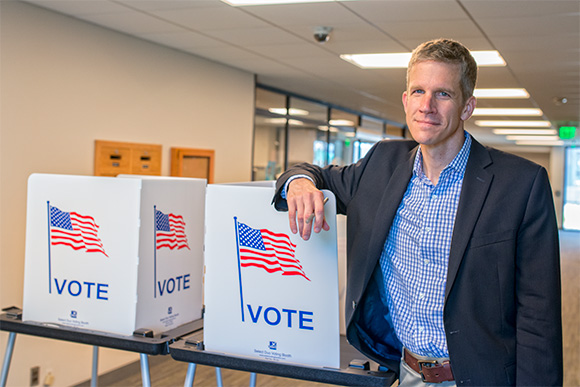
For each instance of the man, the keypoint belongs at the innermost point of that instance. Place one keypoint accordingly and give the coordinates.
(453, 256)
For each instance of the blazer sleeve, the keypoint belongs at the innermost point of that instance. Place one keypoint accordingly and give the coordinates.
(538, 291)
(341, 180)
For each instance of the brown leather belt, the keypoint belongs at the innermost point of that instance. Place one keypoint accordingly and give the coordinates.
(431, 371)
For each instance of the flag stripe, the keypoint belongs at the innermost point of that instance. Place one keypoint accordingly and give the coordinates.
(80, 232)
(170, 231)
(267, 268)
(273, 252)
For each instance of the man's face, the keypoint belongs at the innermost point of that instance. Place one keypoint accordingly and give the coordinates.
(434, 105)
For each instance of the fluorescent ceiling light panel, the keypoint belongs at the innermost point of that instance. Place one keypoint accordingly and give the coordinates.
(540, 143)
(505, 132)
(293, 112)
(515, 124)
(401, 59)
(507, 112)
(488, 58)
(295, 122)
(282, 121)
(532, 138)
(242, 3)
(379, 61)
(341, 123)
(501, 93)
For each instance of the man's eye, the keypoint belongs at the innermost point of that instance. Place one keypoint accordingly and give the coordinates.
(444, 94)
(418, 92)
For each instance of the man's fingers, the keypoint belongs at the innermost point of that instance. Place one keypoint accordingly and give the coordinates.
(305, 207)
(305, 225)
(318, 215)
(292, 218)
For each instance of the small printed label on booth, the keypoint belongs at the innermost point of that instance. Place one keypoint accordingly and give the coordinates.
(168, 321)
(272, 354)
(73, 321)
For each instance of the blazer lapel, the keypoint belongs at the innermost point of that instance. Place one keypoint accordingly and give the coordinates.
(476, 183)
(388, 206)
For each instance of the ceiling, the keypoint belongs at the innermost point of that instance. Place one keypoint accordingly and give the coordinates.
(539, 40)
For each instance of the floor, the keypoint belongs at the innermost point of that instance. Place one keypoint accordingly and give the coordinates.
(167, 372)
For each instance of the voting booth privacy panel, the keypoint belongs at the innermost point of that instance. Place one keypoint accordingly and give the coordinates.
(268, 294)
(114, 254)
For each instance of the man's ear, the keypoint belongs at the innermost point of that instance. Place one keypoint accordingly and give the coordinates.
(468, 108)
(405, 100)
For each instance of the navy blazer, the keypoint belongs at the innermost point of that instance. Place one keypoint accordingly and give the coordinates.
(502, 311)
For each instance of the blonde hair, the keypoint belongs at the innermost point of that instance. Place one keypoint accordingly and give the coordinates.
(448, 51)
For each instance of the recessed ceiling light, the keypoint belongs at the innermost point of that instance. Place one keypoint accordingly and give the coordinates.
(524, 131)
(241, 3)
(501, 93)
(515, 124)
(507, 112)
(401, 59)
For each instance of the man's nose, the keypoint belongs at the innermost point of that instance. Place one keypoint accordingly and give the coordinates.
(427, 103)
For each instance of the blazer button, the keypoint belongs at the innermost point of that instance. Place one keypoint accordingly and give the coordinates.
(354, 304)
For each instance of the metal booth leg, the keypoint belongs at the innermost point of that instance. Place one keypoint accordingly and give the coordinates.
(95, 374)
(7, 358)
(190, 376)
(218, 377)
(253, 379)
(145, 377)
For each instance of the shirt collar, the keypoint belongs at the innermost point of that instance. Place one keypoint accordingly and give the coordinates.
(458, 163)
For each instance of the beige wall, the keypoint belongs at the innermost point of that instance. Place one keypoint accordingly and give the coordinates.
(65, 83)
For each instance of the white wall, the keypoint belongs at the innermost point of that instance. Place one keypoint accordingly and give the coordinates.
(65, 83)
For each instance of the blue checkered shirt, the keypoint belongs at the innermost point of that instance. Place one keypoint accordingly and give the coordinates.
(415, 256)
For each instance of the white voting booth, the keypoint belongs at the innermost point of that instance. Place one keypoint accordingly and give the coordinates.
(120, 254)
(269, 295)
(114, 254)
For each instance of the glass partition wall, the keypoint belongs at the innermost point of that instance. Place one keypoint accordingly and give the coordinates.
(290, 129)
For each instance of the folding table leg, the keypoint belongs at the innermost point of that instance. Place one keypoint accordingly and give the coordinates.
(253, 379)
(190, 376)
(7, 358)
(218, 377)
(95, 374)
(145, 377)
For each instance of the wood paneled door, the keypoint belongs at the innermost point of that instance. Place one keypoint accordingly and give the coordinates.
(188, 162)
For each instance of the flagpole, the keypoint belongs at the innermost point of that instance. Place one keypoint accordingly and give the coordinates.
(154, 251)
(239, 266)
(49, 263)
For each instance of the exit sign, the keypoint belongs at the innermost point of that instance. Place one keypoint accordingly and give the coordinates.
(567, 132)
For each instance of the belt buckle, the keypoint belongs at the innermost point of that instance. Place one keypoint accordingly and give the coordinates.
(421, 363)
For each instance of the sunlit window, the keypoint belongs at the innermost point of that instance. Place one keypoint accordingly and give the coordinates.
(571, 213)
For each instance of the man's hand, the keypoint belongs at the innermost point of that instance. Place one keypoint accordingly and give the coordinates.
(303, 199)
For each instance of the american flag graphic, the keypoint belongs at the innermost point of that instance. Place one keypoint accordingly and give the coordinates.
(273, 252)
(170, 231)
(75, 230)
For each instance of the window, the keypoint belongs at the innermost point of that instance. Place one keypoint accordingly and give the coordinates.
(291, 129)
(571, 213)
